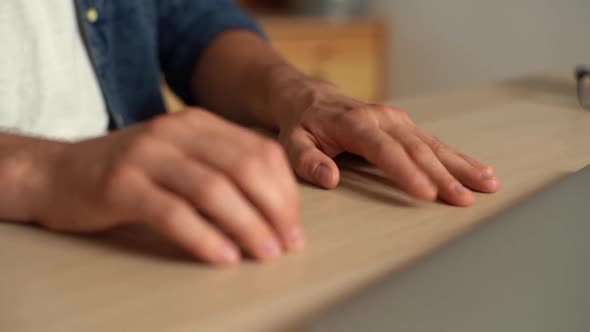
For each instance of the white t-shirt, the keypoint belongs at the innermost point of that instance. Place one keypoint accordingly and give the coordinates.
(47, 84)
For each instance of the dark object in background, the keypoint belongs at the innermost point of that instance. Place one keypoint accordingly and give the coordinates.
(317, 8)
(266, 6)
(583, 81)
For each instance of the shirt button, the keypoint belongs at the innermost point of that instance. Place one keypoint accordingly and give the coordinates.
(92, 15)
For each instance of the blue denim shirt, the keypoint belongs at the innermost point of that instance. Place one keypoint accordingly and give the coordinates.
(132, 42)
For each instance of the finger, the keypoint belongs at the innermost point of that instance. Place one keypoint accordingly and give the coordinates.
(257, 166)
(469, 171)
(221, 201)
(435, 143)
(389, 156)
(245, 139)
(475, 163)
(449, 188)
(175, 219)
(473, 177)
(265, 187)
(309, 162)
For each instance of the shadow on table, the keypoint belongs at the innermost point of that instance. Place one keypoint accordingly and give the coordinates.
(133, 240)
(360, 178)
(140, 240)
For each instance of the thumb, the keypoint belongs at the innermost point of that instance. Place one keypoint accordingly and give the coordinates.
(310, 163)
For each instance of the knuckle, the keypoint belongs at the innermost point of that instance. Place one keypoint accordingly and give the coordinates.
(397, 115)
(399, 112)
(437, 146)
(360, 118)
(248, 166)
(380, 149)
(418, 150)
(160, 124)
(383, 108)
(141, 146)
(115, 181)
(212, 187)
(272, 152)
(168, 215)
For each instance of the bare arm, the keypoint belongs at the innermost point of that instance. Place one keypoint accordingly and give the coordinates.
(243, 79)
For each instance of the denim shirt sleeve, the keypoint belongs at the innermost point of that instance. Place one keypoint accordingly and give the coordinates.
(185, 29)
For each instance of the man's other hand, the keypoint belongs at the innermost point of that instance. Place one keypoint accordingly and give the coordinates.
(320, 123)
(208, 185)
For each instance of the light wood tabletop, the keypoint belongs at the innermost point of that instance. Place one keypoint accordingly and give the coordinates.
(531, 130)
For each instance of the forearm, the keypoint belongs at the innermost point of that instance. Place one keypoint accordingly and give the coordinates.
(24, 165)
(245, 80)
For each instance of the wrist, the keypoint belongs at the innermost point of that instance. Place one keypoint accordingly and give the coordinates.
(291, 93)
(27, 176)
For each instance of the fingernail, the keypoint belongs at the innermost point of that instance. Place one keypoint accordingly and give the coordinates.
(272, 249)
(230, 255)
(460, 189)
(295, 237)
(322, 174)
(488, 174)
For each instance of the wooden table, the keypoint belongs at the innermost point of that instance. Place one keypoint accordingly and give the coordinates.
(530, 129)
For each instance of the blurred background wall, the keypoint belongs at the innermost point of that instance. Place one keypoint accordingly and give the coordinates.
(377, 50)
(441, 45)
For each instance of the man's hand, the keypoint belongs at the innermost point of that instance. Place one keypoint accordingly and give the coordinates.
(318, 123)
(208, 185)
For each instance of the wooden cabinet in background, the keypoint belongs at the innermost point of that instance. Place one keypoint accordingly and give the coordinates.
(349, 54)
